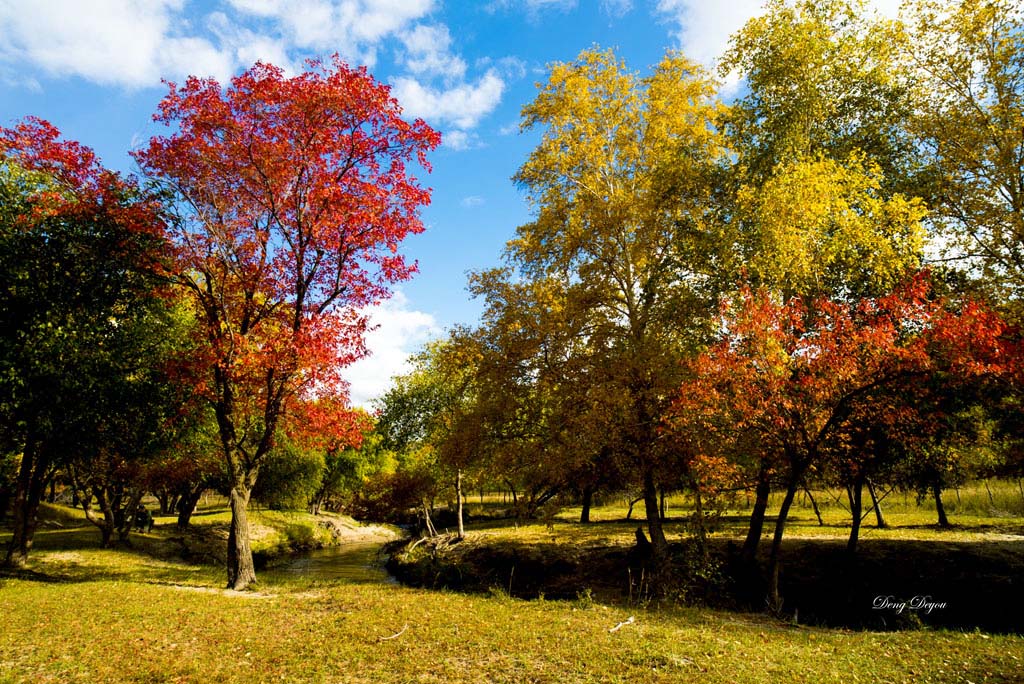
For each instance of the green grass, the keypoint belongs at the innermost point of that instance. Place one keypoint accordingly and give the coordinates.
(88, 615)
(133, 629)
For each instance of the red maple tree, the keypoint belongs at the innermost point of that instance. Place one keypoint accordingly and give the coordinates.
(293, 194)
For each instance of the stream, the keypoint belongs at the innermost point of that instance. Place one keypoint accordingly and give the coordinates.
(350, 562)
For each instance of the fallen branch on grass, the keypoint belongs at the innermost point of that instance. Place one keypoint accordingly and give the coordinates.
(394, 636)
(619, 626)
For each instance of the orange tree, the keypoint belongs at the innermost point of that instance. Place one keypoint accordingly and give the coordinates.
(791, 378)
(292, 197)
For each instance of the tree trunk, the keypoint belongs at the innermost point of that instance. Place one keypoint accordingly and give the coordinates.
(761, 494)
(104, 523)
(5, 501)
(939, 508)
(128, 513)
(774, 595)
(32, 477)
(187, 506)
(588, 498)
(241, 570)
(876, 503)
(659, 545)
(814, 505)
(632, 503)
(855, 493)
(512, 491)
(661, 503)
(458, 496)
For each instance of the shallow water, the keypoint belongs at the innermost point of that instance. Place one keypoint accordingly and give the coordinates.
(352, 562)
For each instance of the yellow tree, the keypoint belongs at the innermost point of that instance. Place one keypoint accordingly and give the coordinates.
(622, 186)
(822, 78)
(968, 57)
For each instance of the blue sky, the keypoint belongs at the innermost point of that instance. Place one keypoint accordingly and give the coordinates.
(93, 69)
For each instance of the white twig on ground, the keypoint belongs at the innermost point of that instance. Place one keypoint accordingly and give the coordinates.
(619, 626)
(394, 636)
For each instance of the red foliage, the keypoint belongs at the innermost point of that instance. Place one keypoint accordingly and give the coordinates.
(294, 195)
(73, 182)
(327, 424)
(794, 374)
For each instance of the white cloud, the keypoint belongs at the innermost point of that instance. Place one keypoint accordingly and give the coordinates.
(472, 201)
(109, 41)
(428, 51)
(462, 105)
(461, 140)
(352, 28)
(401, 332)
(135, 43)
(616, 8)
(704, 27)
(245, 47)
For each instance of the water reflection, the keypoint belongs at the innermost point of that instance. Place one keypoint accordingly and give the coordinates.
(353, 562)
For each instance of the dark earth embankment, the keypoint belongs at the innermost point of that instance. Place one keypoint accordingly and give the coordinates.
(889, 584)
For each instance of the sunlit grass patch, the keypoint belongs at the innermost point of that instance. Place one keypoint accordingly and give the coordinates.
(135, 631)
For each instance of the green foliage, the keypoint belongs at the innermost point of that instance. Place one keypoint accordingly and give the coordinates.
(290, 476)
(390, 497)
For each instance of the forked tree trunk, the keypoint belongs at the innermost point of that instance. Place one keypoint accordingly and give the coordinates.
(128, 514)
(187, 506)
(632, 503)
(32, 477)
(427, 522)
(241, 570)
(855, 493)
(814, 505)
(761, 494)
(458, 495)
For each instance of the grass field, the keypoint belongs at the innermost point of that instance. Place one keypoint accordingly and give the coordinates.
(82, 614)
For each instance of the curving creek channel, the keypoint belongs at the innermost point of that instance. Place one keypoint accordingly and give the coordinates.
(350, 562)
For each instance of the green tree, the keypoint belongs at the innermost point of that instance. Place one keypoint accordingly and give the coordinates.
(80, 251)
(431, 408)
(128, 415)
(347, 468)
